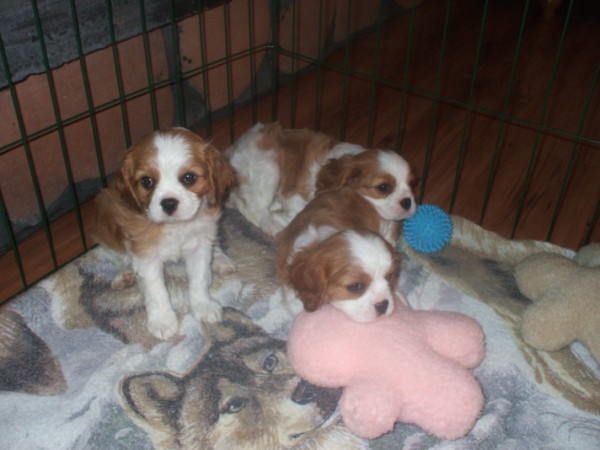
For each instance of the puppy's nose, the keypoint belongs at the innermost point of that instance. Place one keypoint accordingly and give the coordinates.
(406, 203)
(169, 205)
(382, 307)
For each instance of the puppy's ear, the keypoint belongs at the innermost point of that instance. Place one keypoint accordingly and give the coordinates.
(124, 181)
(338, 173)
(308, 279)
(413, 179)
(221, 175)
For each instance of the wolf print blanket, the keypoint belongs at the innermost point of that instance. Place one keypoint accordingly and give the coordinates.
(78, 370)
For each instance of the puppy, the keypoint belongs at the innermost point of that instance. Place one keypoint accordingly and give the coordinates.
(164, 205)
(333, 251)
(278, 171)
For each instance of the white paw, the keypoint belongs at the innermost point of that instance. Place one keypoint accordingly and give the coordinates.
(123, 280)
(164, 325)
(207, 311)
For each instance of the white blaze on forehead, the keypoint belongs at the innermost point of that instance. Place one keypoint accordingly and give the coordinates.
(372, 253)
(173, 152)
(394, 164)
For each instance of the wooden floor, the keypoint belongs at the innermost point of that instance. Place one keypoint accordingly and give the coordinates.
(472, 158)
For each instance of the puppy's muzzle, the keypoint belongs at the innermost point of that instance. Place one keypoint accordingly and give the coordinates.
(169, 205)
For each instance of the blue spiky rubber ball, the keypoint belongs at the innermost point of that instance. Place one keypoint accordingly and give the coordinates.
(429, 230)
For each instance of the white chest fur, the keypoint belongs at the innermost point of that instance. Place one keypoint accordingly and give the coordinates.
(182, 238)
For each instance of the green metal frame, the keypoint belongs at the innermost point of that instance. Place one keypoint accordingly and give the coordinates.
(320, 63)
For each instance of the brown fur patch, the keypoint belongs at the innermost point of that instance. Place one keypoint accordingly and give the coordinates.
(354, 171)
(343, 209)
(296, 150)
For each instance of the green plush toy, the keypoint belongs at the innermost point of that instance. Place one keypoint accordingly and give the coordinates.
(566, 299)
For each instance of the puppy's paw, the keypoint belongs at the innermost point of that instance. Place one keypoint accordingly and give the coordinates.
(123, 280)
(207, 311)
(163, 325)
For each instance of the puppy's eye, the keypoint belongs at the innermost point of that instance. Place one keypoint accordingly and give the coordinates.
(188, 178)
(356, 288)
(270, 362)
(384, 187)
(234, 406)
(147, 182)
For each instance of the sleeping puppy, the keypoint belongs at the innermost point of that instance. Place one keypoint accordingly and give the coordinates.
(164, 205)
(333, 251)
(278, 171)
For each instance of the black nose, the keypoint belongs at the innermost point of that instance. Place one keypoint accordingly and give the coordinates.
(406, 203)
(382, 307)
(169, 205)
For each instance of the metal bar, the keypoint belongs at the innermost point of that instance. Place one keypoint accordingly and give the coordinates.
(178, 78)
(405, 75)
(274, 53)
(318, 74)
(500, 115)
(112, 103)
(3, 212)
(469, 113)
(252, 60)
(435, 107)
(569, 170)
(148, 61)
(504, 116)
(118, 73)
(204, 66)
(88, 93)
(373, 90)
(346, 73)
(535, 149)
(229, 75)
(30, 162)
(294, 74)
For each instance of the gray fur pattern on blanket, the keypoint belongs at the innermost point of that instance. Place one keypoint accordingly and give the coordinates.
(79, 370)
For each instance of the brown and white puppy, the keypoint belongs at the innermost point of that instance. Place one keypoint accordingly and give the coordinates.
(164, 205)
(333, 251)
(279, 169)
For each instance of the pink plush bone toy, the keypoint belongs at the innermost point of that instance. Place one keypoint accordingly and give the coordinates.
(411, 366)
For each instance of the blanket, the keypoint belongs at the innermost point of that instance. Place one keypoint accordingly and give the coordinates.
(78, 370)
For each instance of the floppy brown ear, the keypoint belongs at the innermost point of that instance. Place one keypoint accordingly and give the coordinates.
(413, 179)
(124, 181)
(338, 173)
(308, 280)
(221, 175)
